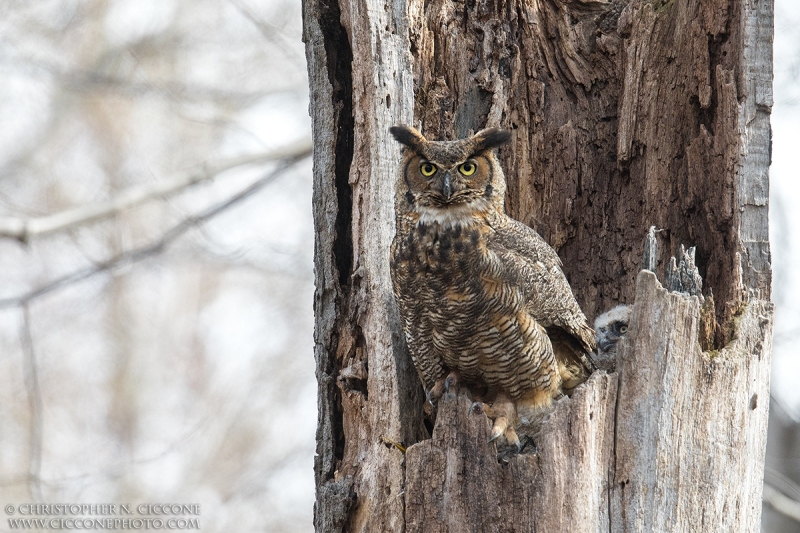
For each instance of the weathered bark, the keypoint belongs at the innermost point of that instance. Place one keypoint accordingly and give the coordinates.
(624, 114)
(455, 483)
(367, 385)
(691, 426)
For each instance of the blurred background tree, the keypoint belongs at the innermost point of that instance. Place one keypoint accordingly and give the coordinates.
(184, 372)
(782, 472)
(177, 373)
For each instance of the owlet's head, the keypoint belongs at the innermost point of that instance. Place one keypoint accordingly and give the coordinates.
(441, 176)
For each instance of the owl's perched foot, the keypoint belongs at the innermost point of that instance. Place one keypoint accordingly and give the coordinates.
(451, 384)
(503, 414)
(446, 384)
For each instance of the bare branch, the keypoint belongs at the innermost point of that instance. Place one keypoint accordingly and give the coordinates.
(137, 254)
(90, 79)
(781, 503)
(781, 482)
(24, 229)
(270, 32)
(789, 412)
(35, 404)
(785, 337)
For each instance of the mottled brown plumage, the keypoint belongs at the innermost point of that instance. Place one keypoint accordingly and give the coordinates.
(482, 297)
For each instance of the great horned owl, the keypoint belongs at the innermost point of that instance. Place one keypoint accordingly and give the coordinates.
(481, 296)
(608, 329)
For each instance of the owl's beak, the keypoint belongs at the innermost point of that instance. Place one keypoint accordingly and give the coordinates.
(604, 343)
(447, 188)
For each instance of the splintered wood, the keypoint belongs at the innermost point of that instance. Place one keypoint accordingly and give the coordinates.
(691, 426)
(455, 483)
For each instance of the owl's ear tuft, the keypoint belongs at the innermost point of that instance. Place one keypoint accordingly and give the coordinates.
(407, 135)
(492, 138)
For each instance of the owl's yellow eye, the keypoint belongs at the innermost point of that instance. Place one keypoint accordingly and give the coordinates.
(427, 169)
(468, 168)
(623, 329)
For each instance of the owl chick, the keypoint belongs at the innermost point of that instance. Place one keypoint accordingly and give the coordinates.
(482, 297)
(608, 329)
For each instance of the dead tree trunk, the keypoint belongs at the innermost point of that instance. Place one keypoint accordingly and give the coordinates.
(625, 114)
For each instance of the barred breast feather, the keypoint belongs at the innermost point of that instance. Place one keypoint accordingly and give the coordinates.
(476, 300)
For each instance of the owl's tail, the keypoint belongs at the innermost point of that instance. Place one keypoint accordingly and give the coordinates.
(574, 362)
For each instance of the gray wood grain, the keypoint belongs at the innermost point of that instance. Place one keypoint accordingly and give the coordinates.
(690, 425)
(455, 482)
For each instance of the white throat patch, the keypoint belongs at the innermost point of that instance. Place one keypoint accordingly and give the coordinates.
(452, 215)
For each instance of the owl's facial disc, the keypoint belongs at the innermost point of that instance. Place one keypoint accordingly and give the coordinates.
(449, 183)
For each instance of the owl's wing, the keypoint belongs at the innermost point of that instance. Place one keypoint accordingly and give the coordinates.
(416, 321)
(535, 267)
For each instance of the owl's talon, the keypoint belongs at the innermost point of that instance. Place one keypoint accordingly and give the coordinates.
(499, 428)
(436, 392)
(450, 383)
(476, 408)
(513, 439)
